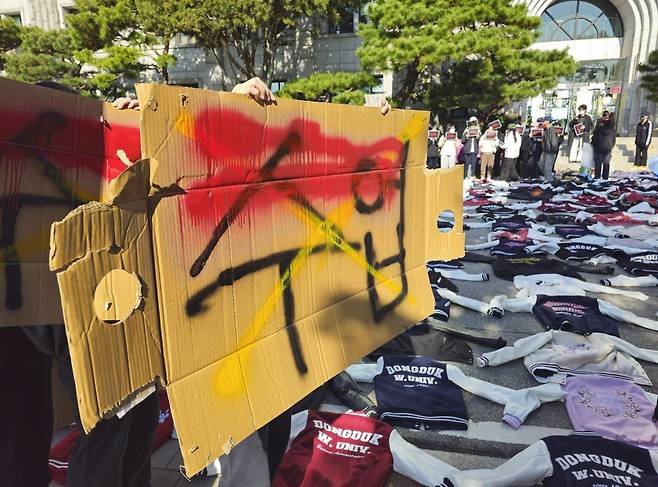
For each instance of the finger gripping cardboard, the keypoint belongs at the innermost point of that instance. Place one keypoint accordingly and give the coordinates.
(262, 249)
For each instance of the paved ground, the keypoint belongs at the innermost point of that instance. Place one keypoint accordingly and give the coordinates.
(488, 442)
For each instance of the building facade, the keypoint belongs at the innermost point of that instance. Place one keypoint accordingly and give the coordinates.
(608, 38)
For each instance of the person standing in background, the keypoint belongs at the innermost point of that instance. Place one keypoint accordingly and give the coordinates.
(576, 141)
(489, 144)
(449, 145)
(643, 136)
(526, 155)
(512, 147)
(603, 141)
(432, 148)
(471, 147)
(536, 155)
(550, 148)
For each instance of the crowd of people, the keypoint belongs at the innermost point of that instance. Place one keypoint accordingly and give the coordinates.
(529, 151)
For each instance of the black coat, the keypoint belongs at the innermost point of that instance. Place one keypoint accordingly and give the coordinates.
(604, 139)
(551, 142)
(643, 134)
(527, 147)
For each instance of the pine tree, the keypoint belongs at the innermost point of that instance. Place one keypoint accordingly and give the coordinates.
(649, 72)
(460, 53)
(10, 38)
(347, 88)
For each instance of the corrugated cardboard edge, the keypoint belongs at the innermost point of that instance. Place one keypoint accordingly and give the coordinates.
(90, 242)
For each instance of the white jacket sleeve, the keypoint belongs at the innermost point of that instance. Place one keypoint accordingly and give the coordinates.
(628, 281)
(521, 348)
(645, 354)
(524, 206)
(548, 247)
(298, 423)
(605, 230)
(465, 302)
(480, 224)
(541, 237)
(613, 311)
(581, 216)
(526, 468)
(365, 372)
(515, 305)
(417, 464)
(460, 275)
(484, 245)
(518, 403)
(590, 239)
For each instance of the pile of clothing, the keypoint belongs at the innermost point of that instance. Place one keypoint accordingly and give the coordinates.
(558, 244)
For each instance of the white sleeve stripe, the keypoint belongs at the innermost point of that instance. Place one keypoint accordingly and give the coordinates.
(646, 142)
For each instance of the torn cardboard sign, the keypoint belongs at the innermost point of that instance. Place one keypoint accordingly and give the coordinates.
(57, 151)
(261, 250)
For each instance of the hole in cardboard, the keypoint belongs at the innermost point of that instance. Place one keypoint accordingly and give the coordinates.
(446, 221)
(117, 295)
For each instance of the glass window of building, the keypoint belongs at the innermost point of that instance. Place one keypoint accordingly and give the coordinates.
(277, 84)
(16, 17)
(570, 20)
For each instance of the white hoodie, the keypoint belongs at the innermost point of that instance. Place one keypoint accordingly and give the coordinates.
(511, 145)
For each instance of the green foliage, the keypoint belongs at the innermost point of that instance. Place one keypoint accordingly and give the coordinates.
(649, 72)
(460, 53)
(101, 50)
(120, 32)
(43, 56)
(10, 38)
(245, 34)
(346, 88)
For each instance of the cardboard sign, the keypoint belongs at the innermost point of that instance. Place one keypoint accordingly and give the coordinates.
(537, 133)
(451, 135)
(57, 151)
(473, 132)
(579, 129)
(433, 134)
(495, 125)
(252, 254)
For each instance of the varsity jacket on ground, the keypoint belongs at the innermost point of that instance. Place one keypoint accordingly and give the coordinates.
(507, 268)
(509, 248)
(578, 314)
(642, 264)
(344, 450)
(555, 285)
(573, 231)
(414, 390)
(554, 355)
(569, 461)
(614, 408)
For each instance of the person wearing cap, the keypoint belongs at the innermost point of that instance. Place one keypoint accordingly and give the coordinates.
(489, 143)
(550, 147)
(576, 142)
(643, 139)
(471, 147)
(512, 147)
(603, 141)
